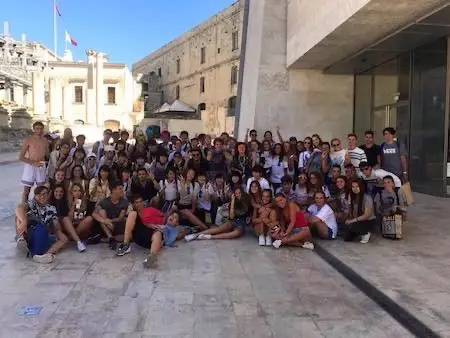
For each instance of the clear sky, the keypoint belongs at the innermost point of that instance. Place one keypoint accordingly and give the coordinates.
(126, 30)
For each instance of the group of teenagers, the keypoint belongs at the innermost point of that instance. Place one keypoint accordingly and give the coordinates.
(156, 192)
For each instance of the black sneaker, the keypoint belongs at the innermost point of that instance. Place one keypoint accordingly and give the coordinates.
(112, 243)
(92, 240)
(123, 249)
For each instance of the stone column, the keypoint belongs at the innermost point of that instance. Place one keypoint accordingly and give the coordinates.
(18, 94)
(67, 105)
(4, 114)
(55, 105)
(38, 94)
(99, 90)
(25, 96)
(20, 119)
(90, 92)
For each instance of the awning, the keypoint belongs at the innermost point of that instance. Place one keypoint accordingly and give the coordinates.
(176, 107)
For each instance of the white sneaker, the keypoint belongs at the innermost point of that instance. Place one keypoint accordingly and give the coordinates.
(276, 244)
(308, 245)
(204, 236)
(43, 259)
(190, 237)
(268, 241)
(261, 240)
(81, 247)
(365, 238)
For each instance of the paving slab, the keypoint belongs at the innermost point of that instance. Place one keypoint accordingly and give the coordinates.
(414, 271)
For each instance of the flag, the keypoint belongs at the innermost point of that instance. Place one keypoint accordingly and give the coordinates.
(57, 10)
(70, 40)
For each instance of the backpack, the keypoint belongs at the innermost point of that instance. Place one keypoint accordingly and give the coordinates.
(38, 239)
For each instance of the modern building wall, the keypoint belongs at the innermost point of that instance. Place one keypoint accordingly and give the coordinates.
(300, 102)
(216, 37)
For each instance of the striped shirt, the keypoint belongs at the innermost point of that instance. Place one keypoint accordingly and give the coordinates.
(357, 156)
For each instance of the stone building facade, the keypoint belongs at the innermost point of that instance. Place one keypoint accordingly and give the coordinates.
(200, 68)
(84, 95)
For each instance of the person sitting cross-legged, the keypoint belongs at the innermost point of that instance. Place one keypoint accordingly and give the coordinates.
(36, 223)
(150, 229)
(111, 213)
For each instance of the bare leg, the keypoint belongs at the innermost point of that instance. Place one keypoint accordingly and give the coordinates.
(321, 228)
(156, 245)
(68, 226)
(193, 219)
(26, 194)
(21, 221)
(228, 235)
(129, 226)
(297, 238)
(60, 243)
(106, 229)
(259, 228)
(218, 230)
(84, 226)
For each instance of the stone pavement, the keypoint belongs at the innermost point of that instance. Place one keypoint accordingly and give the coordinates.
(201, 289)
(11, 157)
(414, 272)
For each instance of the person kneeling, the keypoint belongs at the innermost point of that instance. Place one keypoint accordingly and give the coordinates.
(150, 229)
(321, 218)
(37, 225)
(239, 207)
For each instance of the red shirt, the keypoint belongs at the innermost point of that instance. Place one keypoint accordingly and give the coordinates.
(151, 216)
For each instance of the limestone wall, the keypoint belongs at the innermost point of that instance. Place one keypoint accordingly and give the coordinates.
(12, 139)
(300, 102)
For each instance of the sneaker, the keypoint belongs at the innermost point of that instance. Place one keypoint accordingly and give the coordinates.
(112, 243)
(268, 241)
(151, 261)
(190, 237)
(365, 238)
(22, 245)
(44, 259)
(276, 244)
(96, 239)
(261, 240)
(308, 245)
(81, 247)
(204, 236)
(123, 249)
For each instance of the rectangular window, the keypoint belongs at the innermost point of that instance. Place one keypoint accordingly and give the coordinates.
(78, 94)
(235, 40)
(178, 66)
(203, 55)
(111, 95)
(159, 72)
(202, 85)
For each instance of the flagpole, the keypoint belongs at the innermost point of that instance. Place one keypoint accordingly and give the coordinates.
(55, 34)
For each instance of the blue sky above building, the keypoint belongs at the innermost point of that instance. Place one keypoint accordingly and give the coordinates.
(126, 30)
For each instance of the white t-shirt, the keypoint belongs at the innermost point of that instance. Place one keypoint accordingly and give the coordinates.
(338, 158)
(278, 168)
(262, 182)
(379, 174)
(325, 214)
(170, 190)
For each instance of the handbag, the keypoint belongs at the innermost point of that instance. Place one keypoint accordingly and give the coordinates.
(391, 226)
(405, 189)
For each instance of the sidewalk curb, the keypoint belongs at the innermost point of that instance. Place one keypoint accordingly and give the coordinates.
(405, 318)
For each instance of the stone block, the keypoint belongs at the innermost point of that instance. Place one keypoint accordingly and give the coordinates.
(20, 119)
(4, 118)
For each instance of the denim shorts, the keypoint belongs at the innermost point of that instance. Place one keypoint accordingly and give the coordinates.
(300, 230)
(239, 224)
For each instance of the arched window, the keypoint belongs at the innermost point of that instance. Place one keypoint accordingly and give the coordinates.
(234, 75)
(202, 85)
(232, 106)
(177, 92)
(201, 106)
(78, 122)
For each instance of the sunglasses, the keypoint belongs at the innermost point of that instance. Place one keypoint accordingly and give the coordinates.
(303, 177)
(307, 142)
(335, 144)
(253, 135)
